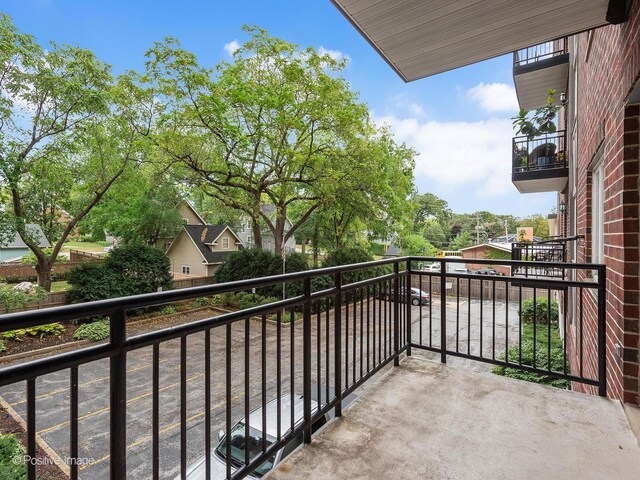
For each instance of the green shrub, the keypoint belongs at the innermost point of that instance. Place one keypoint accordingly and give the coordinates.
(128, 270)
(542, 358)
(3, 346)
(541, 312)
(11, 299)
(168, 310)
(254, 263)
(11, 448)
(50, 329)
(94, 331)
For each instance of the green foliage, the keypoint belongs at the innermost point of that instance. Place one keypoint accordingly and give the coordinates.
(496, 254)
(539, 223)
(168, 310)
(540, 121)
(428, 208)
(376, 249)
(12, 300)
(542, 358)
(128, 270)
(30, 258)
(462, 240)
(242, 300)
(94, 331)
(415, 244)
(317, 150)
(3, 346)
(254, 262)
(541, 311)
(11, 448)
(40, 331)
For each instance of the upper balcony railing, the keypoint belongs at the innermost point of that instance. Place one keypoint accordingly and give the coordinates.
(549, 253)
(544, 152)
(540, 52)
(164, 392)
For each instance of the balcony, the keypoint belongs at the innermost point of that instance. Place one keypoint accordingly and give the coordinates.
(539, 68)
(430, 421)
(540, 163)
(145, 405)
(549, 253)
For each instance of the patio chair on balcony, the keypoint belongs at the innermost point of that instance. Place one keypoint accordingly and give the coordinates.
(543, 156)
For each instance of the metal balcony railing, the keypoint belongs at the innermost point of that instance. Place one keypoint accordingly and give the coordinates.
(540, 52)
(337, 328)
(548, 253)
(540, 153)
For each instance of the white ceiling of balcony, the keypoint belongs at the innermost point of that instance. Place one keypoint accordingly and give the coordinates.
(419, 38)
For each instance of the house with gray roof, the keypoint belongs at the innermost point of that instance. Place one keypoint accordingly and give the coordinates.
(199, 250)
(16, 249)
(245, 232)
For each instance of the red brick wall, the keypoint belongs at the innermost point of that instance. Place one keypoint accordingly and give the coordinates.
(607, 124)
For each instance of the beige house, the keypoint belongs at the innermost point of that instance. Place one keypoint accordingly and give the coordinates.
(189, 216)
(199, 250)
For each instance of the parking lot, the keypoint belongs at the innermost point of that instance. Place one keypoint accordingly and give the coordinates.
(53, 390)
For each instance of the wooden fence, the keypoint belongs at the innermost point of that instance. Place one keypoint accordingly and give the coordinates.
(55, 299)
(27, 273)
(480, 288)
(80, 256)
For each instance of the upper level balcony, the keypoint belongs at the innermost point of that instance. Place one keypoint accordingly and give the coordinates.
(540, 163)
(188, 400)
(550, 254)
(539, 68)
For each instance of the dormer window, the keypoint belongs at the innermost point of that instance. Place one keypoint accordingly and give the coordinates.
(225, 243)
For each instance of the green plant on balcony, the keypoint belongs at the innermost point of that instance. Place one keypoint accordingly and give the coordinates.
(537, 122)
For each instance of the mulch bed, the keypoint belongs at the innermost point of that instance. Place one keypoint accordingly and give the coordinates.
(47, 471)
(29, 343)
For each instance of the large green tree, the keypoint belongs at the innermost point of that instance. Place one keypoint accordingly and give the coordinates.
(63, 141)
(278, 125)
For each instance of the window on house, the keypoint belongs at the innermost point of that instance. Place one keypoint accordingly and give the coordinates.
(186, 269)
(185, 221)
(249, 239)
(225, 242)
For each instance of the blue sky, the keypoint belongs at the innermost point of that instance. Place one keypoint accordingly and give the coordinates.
(458, 121)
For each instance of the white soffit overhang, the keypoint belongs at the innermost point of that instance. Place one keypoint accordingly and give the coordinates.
(419, 38)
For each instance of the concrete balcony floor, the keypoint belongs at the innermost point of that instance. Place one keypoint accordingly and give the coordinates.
(431, 421)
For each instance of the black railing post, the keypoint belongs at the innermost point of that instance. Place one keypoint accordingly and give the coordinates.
(443, 311)
(396, 312)
(306, 364)
(602, 338)
(409, 286)
(338, 342)
(118, 396)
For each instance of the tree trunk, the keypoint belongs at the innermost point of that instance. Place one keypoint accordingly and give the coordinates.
(43, 269)
(314, 241)
(304, 244)
(257, 232)
(278, 235)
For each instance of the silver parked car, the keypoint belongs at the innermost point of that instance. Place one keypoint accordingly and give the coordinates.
(418, 297)
(239, 444)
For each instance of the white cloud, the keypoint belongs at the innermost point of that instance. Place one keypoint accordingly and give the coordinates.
(494, 97)
(337, 55)
(474, 155)
(416, 109)
(231, 47)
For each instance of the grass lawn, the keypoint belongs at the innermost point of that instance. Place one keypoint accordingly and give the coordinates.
(97, 247)
(59, 286)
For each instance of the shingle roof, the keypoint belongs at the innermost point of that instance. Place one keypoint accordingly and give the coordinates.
(35, 231)
(206, 234)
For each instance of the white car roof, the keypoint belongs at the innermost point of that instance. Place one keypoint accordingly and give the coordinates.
(255, 417)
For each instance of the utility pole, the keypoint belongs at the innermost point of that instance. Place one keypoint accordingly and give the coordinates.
(477, 230)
